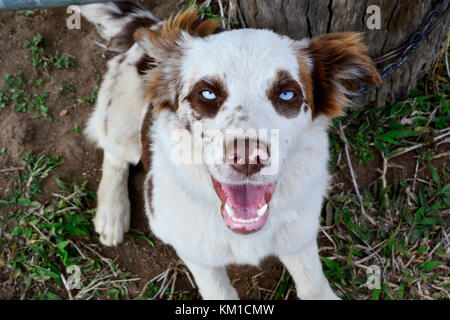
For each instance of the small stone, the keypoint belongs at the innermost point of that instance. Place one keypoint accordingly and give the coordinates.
(63, 113)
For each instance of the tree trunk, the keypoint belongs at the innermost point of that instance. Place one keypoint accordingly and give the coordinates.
(399, 19)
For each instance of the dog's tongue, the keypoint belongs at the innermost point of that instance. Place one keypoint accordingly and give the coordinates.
(245, 207)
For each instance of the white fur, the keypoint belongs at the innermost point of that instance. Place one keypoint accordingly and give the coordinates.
(120, 106)
(184, 210)
(112, 219)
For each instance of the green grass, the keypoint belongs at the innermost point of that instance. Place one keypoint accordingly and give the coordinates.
(408, 241)
(15, 93)
(393, 129)
(92, 98)
(416, 227)
(41, 239)
(24, 95)
(26, 13)
(76, 128)
(40, 57)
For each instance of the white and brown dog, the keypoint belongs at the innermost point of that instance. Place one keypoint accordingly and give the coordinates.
(240, 197)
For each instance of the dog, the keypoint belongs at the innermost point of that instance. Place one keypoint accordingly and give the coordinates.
(169, 99)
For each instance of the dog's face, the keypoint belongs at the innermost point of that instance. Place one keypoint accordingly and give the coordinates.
(247, 99)
(242, 90)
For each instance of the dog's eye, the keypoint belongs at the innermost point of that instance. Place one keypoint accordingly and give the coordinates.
(287, 95)
(208, 95)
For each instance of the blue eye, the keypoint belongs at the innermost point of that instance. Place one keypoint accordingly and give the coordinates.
(287, 95)
(208, 95)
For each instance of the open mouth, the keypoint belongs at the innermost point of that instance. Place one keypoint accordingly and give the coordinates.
(245, 207)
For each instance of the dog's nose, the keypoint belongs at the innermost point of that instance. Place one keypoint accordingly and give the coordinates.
(247, 156)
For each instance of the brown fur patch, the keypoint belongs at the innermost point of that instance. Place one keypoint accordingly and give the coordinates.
(145, 140)
(202, 107)
(306, 80)
(285, 82)
(124, 40)
(126, 7)
(338, 57)
(122, 58)
(163, 81)
(164, 105)
(189, 21)
(144, 64)
(149, 196)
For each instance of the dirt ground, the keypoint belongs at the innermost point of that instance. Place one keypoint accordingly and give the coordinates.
(19, 133)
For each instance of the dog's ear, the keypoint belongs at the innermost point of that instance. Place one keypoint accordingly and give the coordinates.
(164, 45)
(337, 57)
(166, 39)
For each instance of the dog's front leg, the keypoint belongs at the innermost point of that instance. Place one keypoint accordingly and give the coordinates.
(112, 219)
(212, 282)
(306, 270)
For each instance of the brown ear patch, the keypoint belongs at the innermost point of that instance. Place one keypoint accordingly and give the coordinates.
(144, 64)
(337, 57)
(306, 79)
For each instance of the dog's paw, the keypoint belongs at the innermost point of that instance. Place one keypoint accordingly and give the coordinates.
(112, 221)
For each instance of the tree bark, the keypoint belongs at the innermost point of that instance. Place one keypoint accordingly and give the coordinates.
(399, 19)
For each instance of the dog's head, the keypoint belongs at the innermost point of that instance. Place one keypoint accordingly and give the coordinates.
(249, 97)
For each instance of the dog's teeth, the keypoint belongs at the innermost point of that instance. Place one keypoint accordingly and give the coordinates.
(229, 210)
(262, 210)
(243, 221)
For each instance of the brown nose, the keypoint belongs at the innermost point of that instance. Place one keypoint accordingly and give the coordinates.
(247, 156)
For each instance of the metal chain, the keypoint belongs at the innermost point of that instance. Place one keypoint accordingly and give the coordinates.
(415, 41)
